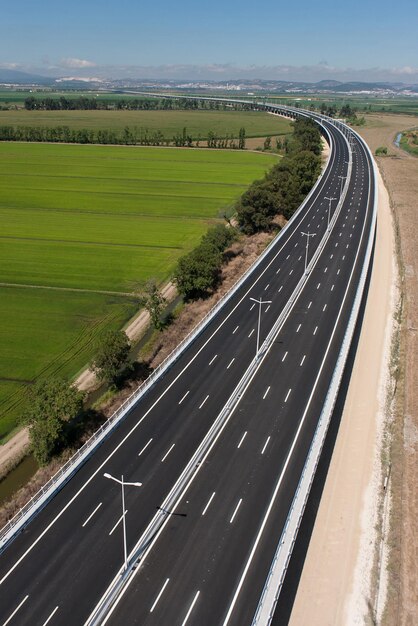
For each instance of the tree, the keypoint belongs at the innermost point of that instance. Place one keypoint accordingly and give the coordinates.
(256, 208)
(112, 355)
(219, 236)
(267, 143)
(347, 111)
(241, 139)
(306, 136)
(154, 302)
(51, 404)
(198, 272)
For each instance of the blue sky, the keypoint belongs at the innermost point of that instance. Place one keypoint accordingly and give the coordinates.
(368, 39)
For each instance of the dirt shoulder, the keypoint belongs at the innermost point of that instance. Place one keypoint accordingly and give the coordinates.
(331, 567)
(337, 585)
(400, 173)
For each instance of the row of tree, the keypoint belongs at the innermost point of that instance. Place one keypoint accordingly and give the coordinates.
(130, 104)
(283, 188)
(128, 136)
(54, 405)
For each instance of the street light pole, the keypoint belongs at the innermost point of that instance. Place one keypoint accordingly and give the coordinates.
(260, 302)
(341, 189)
(329, 210)
(307, 235)
(122, 483)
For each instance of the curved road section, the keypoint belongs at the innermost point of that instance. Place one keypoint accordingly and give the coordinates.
(219, 443)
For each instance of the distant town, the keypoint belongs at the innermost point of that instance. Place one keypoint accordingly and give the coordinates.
(15, 79)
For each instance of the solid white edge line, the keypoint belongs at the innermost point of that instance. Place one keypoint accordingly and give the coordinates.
(159, 595)
(257, 540)
(116, 602)
(190, 609)
(371, 233)
(91, 514)
(316, 189)
(208, 503)
(236, 511)
(16, 610)
(51, 616)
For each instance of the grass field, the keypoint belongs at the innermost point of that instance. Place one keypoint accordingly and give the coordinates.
(100, 219)
(222, 123)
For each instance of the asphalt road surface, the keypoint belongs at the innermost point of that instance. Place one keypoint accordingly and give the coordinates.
(57, 570)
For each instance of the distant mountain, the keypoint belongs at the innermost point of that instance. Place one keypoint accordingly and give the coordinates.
(327, 84)
(16, 77)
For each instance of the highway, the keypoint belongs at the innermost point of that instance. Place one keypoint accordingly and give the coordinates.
(56, 571)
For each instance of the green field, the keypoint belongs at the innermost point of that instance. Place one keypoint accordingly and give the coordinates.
(101, 219)
(222, 123)
(409, 141)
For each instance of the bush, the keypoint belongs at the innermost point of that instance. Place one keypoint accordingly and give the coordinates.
(381, 150)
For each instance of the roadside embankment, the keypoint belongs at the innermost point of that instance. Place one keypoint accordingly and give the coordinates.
(335, 582)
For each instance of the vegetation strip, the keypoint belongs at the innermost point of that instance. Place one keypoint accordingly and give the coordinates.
(91, 287)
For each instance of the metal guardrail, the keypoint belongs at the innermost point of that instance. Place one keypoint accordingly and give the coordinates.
(272, 588)
(155, 527)
(63, 475)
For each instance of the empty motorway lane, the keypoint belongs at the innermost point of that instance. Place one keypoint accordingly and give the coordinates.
(59, 567)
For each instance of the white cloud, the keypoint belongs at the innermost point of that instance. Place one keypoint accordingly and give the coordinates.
(406, 70)
(10, 66)
(73, 63)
